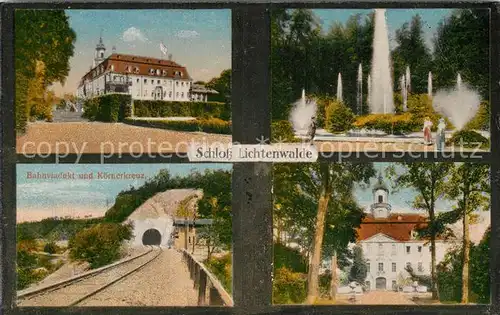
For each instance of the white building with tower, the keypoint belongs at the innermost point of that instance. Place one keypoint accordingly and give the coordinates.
(144, 78)
(390, 243)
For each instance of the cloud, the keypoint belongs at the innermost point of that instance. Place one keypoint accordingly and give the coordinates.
(133, 34)
(187, 34)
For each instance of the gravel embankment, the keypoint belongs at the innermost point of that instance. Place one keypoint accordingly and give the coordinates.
(165, 282)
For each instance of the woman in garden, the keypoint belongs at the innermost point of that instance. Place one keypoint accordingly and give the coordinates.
(427, 131)
(440, 137)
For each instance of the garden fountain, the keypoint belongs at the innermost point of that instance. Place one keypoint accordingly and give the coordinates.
(429, 84)
(339, 88)
(381, 98)
(404, 92)
(302, 114)
(408, 80)
(359, 90)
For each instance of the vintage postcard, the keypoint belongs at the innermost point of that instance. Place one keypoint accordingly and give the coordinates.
(124, 235)
(121, 81)
(384, 80)
(381, 233)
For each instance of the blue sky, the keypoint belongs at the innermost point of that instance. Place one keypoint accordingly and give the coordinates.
(59, 197)
(395, 19)
(197, 39)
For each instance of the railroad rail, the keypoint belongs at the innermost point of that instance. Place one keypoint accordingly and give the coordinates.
(73, 291)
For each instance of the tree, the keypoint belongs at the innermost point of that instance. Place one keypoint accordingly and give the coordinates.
(317, 198)
(468, 186)
(429, 181)
(42, 37)
(462, 45)
(359, 269)
(412, 51)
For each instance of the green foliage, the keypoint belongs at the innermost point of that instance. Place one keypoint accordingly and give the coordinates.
(41, 36)
(289, 258)
(50, 248)
(412, 51)
(339, 118)
(108, 108)
(481, 121)
(215, 203)
(468, 139)
(52, 228)
(210, 125)
(221, 268)
(288, 287)
(462, 45)
(222, 84)
(282, 130)
(359, 269)
(100, 244)
(180, 109)
(450, 273)
(389, 123)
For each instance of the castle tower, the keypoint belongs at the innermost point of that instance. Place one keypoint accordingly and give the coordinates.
(380, 207)
(100, 50)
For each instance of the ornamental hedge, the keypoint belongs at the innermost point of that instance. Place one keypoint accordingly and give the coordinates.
(210, 125)
(181, 109)
(108, 108)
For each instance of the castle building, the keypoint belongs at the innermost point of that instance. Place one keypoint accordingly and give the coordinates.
(144, 78)
(390, 243)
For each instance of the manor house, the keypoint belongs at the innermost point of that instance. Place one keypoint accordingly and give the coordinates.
(144, 78)
(390, 243)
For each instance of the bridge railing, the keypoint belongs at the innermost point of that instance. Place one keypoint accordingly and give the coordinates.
(210, 290)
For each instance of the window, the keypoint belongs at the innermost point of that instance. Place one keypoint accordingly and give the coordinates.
(368, 266)
(102, 54)
(177, 83)
(420, 268)
(182, 83)
(158, 82)
(393, 267)
(152, 81)
(394, 285)
(407, 249)
(112, 67)
(394, 249)
(380, 266)
(182, 94)
(170, 94)
(158, 72)
(145, 81)
(137, 80)
(380, 199)
(420, 249)
(177, 94)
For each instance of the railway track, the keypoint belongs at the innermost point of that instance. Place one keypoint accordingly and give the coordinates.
(78, 289)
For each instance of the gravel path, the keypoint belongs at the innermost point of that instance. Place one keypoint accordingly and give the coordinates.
(71, 293)
(165, 282)
(97, 137)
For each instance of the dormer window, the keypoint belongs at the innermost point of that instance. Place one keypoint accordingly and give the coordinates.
(112, 67)
(164, 72)
(158, 72)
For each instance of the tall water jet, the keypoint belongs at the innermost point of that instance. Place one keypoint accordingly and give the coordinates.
(359, 92)
(459, 82)
(381, 100)
(408, 79)
(339, 87)
(369, 92)
(303, 113)
(404, 92)
(429, 85)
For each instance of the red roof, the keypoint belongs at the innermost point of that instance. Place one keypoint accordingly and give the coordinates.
(129, 64)
(396, 226)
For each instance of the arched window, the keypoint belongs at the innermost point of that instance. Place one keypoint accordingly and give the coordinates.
(380, 199)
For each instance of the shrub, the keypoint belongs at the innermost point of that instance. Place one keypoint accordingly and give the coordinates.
(481, 121)
(211, 125)
(289, 287)
(50, 248)
(389, 123)
(289, 258)
(181, 109)
(283, 130)
(338, 117)
(221, 268)
(468, 139)
(108, 108)
(100, 244)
